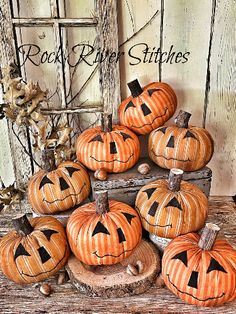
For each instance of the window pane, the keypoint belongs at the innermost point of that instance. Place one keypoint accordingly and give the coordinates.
(31, 8)
(76, 8)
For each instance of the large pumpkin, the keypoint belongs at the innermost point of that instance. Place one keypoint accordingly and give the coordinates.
(181, 146)
(60, 189)
(114, 149)
(34, 251)
(103, 233)
(147, 108)
(171, 207)
(200, 270)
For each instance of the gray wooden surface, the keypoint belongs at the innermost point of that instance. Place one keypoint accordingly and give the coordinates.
(65, 299)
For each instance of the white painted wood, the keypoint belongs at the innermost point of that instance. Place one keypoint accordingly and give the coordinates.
(221, 106)
(187, 27)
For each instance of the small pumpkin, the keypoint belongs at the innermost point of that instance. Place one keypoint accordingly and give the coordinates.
(181, 146)
(34, 251)
(102, 232)
(171, 207)
(147, 108)
(200, 269)
(56, 190)
(112, 148)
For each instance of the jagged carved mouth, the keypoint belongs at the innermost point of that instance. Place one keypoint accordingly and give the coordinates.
(109, 161)
(170, 158)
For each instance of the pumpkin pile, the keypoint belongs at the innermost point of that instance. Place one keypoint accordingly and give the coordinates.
(197, 268)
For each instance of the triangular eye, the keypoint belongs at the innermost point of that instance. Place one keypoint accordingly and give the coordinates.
(163, 130)
(129, 105)
(63, 184)
(125, 136)
(129, 217)
(48, 233)
(174, 203)
(149, 192)
(100, 228)
(146, 111)
(153, 209)
(151, 91)
(182, 256)
(44, 255)
(214, 265)
(45, 180)
(171, 142)
(190, 134)
(20, 251)
(71, 170)
(97, 138)
(121, 235)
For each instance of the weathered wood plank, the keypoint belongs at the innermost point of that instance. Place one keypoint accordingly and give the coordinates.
(187, 28)
(106, 12)
(21, 162)
(17, 299)
(221, 104)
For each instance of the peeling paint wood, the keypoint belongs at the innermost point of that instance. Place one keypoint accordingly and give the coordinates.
(21, 162)
(220, 108)
(65, 298)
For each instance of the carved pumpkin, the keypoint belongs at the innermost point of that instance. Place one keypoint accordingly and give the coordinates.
(148, 107)
(200, 271)
(103, 233)
(113, 149)
(60, 189)
(34, 251)
(171, 207)
(181, 146)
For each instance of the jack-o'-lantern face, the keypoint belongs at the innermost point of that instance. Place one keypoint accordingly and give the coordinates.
(114, 151)
(147, 108)
(37, 256)
(168, 214)
(60, 189)
(103, 239)
(200, 277)
(186, 148)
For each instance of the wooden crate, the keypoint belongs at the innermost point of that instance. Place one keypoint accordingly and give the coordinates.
(125, 186)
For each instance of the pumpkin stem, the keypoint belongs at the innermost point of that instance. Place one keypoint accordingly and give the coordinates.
(135, 88)
(48, 160)
(182, 119)
(22, 225)
(175, 177)
(102, 203)
(208, 236)
(107, 122)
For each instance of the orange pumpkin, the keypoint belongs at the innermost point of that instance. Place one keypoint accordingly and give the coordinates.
(200, 270)
(171, 207)
(148, 107)
(103, 233)
(34, 251)
(60, 189)
(113, 149)
(181, 146)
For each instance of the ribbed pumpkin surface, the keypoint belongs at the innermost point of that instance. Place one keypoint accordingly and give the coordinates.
(169, 214)
(103, 239)
(37, 256)
(200, 277)
(149, 110)
(186, 148)
(114, 151)
(60, 189)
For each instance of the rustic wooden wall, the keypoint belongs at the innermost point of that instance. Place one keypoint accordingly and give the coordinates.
(205, 85)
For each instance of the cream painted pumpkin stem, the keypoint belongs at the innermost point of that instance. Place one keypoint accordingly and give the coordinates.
(208, 236)
(22, 225)
(175, 178)
(102, 203)
(182, 119)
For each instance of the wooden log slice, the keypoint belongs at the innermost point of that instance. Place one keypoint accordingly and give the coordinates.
(113, 280)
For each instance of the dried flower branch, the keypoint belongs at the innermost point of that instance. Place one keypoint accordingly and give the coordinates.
(9, 196)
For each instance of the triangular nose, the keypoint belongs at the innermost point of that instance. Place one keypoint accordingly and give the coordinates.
(193, 279)
(146, 111)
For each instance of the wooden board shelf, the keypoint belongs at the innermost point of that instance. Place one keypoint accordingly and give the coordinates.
(66, 299)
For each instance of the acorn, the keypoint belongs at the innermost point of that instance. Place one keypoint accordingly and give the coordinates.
(132, 270)
(100, 174)
(45, 289)
(144, 168)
